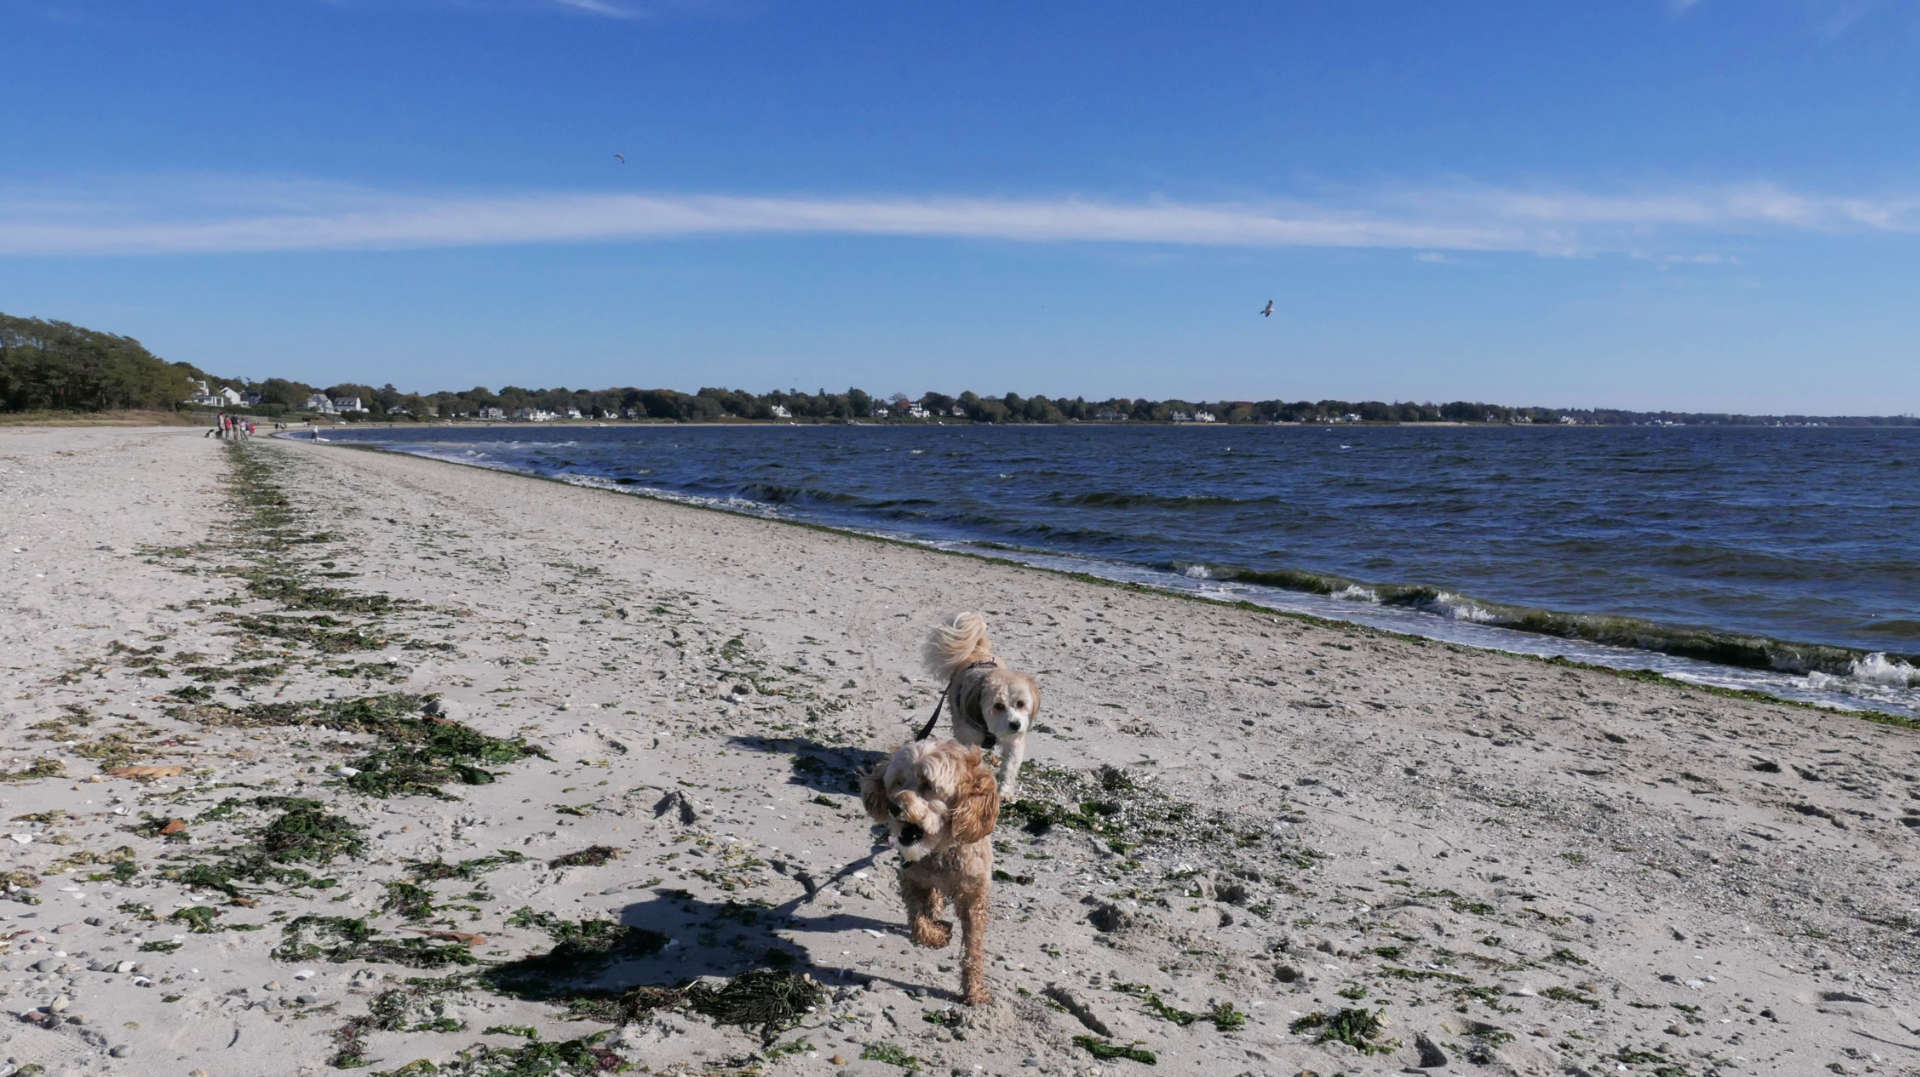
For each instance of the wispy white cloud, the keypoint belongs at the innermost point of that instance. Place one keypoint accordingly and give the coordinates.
(240, 215)
(1834, 19)
(599, 7)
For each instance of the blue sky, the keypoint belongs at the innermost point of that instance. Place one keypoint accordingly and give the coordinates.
(1706, 205)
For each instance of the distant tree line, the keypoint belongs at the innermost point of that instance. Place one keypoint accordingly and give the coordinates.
(51, 365)
(54, 366)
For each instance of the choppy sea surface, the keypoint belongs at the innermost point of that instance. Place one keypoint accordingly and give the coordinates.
(1785, 560)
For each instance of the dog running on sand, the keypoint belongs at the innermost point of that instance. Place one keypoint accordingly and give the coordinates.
(993, 707)
(940, 802)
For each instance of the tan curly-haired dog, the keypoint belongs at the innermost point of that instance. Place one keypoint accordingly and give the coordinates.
(940, 802)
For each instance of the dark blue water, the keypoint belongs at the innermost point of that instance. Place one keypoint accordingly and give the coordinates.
(1778, 558)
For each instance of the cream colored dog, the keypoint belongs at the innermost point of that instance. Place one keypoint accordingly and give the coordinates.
(940, 804)
(993, 706)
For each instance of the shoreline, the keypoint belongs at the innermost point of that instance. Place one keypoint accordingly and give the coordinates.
(1721, 660)
(1530, 865)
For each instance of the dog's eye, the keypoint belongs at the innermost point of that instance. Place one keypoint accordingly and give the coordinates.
(892, 808)
(999, 706)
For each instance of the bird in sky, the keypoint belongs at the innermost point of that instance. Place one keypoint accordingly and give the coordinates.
(622, 158)
(1268, 311)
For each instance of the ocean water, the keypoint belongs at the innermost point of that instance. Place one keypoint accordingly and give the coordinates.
(1785, 560)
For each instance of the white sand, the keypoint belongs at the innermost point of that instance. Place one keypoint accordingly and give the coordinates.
(1589, 863)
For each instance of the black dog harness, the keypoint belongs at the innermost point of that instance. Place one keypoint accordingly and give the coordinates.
(927, 730)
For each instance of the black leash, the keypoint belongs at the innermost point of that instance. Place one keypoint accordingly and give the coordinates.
(927, 730)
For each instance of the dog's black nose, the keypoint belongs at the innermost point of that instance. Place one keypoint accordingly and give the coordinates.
(911, 835)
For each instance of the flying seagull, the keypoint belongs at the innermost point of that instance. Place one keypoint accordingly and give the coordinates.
(1268, 312)
(622, 158)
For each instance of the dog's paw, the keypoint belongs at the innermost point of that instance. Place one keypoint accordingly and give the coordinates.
(933, 934)
(978, 996)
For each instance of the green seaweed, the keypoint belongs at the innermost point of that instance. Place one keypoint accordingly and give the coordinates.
(39, 768)
(198, 918)
(411, 900)
(433, 870)
(592, 856)
(771, 999)
(344, 938)
(1103, 1050)
(1357, 1028)
(581, 1057)
(414, 1008)
(303, 833)
(890, 1053)
(420, 754)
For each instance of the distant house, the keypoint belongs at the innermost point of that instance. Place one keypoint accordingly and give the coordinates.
(916, 411)
(532, 415)
(252, 400)
(880, 411)
(490, 413)
(344, 404)
(780, 412)
(1181, 417)
(1202, 415)
(223, 397)
(572, 413)
(1109, 415)
(957, 411)
(319, 402)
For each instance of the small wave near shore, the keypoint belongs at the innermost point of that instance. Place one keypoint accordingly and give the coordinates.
(1711, 555)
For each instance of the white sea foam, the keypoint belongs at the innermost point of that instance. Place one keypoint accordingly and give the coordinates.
(1877, 668)
(1875, 681)
(1451, 605)
(741, 505)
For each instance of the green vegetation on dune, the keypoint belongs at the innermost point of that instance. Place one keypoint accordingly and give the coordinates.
(50, 365)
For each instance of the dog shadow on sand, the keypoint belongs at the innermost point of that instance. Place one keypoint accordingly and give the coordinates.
(659, 947)
(824, 768)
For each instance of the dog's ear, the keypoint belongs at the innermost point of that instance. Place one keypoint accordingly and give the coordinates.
(976, 804)
(873, 791)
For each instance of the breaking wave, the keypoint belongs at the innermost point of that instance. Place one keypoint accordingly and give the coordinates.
(1744, 650)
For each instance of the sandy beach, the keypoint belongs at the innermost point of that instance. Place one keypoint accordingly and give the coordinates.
(315, 758)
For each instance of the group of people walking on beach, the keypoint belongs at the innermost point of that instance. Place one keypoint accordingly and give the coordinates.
(231, 426)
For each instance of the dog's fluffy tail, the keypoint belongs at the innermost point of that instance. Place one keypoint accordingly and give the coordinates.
(952, 647)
